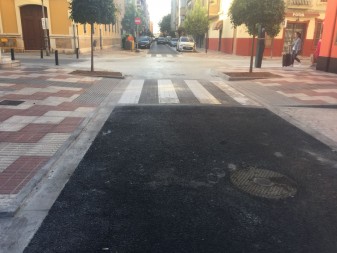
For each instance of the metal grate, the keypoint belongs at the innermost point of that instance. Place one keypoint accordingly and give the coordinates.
(263, 183)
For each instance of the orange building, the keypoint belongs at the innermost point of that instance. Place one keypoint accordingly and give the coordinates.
(327, 60)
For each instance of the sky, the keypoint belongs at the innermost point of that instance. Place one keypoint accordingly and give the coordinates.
(158, 9)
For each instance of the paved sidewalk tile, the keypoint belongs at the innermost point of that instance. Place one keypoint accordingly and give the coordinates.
(37, 117)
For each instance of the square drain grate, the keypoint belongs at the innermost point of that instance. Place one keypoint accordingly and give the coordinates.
(11, 102)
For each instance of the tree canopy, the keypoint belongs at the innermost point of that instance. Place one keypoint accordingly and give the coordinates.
(128, 21)
(251, 13)
(165, 24)
(196, 22)
(93, 11)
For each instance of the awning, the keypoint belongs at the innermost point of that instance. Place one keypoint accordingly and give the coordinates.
(218, 25)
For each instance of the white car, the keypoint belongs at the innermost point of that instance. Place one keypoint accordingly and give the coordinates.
(186, 43)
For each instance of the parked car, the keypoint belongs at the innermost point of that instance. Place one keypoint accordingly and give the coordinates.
(168, 39)
(144, 42)
(161, 40)
(186, 43)
(173, 42)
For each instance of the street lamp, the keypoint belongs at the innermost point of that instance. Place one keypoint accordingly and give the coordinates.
(44, 27)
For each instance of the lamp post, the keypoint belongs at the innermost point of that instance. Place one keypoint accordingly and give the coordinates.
(44, 27)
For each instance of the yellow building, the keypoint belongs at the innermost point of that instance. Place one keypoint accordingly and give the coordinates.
(22, 27)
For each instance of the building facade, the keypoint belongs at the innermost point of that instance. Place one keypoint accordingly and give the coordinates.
(23, 27)
(327, 60)
(304, 16)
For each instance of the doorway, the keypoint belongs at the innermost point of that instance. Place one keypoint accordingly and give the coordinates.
(32, 31)
(220, 36)
(289, 36)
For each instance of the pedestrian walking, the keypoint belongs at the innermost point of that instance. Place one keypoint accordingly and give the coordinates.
(297, 46)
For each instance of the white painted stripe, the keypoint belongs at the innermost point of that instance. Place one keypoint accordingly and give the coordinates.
(132, 93)
(201, 93)
(236, 95)
(169, 55)
(158, 55)
(166, 92)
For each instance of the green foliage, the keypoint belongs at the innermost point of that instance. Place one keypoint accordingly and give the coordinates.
(196, 21)
(93, 11)
(268, 13)
(165, 24)
(128, 21)
(181, 31)
(273, 30)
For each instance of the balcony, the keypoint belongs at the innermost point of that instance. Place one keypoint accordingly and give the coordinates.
(214, 8)
(299, 4)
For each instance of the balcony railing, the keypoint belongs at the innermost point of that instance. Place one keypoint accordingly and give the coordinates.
(300, 2)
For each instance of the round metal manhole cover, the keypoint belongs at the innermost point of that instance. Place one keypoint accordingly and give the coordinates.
(263, 183)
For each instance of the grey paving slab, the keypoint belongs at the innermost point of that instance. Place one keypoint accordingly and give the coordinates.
(149, 94)
(96, 93)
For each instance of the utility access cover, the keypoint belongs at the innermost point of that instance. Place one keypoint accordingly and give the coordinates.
(263, 183)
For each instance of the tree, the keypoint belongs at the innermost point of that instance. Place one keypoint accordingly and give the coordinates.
(181, 31)
(128, 21)
(255, 13)
(165, 24)
(91, 12)
(196, 22)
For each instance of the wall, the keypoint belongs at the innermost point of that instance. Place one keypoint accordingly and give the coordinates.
(61, 29)
(9, 23)
(327, 60)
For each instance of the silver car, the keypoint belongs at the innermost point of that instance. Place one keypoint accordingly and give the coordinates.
(186, 43)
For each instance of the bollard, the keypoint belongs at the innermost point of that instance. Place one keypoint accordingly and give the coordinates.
(77, 52)
(56, 57)
(41, 52)
(12, 54)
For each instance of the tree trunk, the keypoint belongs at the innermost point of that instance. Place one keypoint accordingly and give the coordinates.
(271, 48)
(92, 47)
(252, 56)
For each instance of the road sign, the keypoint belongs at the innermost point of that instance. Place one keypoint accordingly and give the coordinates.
(138, 21)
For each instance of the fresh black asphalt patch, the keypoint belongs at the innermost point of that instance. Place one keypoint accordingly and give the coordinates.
(157, 179)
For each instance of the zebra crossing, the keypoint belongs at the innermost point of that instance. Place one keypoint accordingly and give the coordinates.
(176, 91)
(163, 55)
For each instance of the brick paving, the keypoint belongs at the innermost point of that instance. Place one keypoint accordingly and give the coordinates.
(38, 114)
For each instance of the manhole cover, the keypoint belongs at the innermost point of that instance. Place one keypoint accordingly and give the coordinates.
(11, 102)
(263, 183)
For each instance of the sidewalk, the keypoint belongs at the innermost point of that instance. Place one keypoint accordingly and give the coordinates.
(43, 111)
(303, 96)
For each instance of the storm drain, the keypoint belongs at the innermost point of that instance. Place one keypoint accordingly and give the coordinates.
(11, 102)
(263, 183)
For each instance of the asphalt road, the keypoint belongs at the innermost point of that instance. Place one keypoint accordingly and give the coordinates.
(163, 179)
(161, 49)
